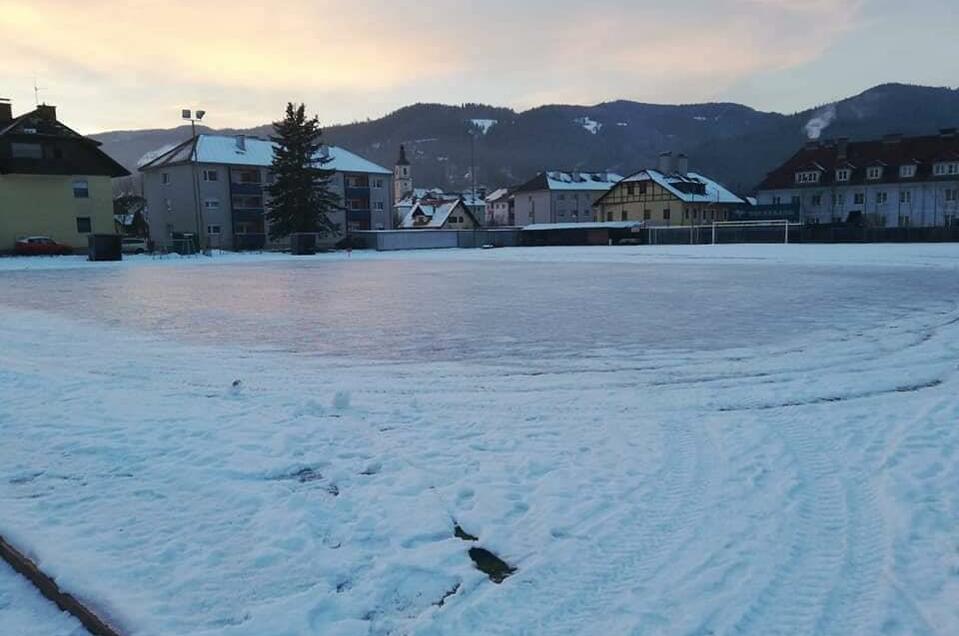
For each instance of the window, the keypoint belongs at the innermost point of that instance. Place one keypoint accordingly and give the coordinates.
(630, 189)
(377, 183)
(165, 178)
(609, 216)
(213, 229)
(666, 214)
(624, 216)
(860, 198)
(809, 176)
(246, 176)
(356, 204)
(81, 189)
(943, 169)
(874, 173)
(882, 198)
(952, 195)
(379, 205)
(561, 197)
(908, 171)
(241, 202)
(212, 204)
(816, 200)
(211, 175)
(843, 174)
(839, 199)
(777, 200)
(26, 151)
(647, 215)
(905, 196)
(84, 226)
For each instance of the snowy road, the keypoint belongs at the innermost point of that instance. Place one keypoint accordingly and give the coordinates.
(805, 484)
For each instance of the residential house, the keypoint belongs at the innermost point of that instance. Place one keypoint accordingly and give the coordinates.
(890, 182)
(449, 215)
(436, 197)
(53, 181)
(671, 195)
(561, 197)
(229, 176)
(499, 208)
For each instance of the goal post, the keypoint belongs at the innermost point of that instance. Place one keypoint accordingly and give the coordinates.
(781, 224)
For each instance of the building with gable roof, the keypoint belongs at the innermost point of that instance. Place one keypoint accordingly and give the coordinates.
(669, 195)
(449, 215)
(231, 175)
(53, 181)
(891, 182)
(557, 196)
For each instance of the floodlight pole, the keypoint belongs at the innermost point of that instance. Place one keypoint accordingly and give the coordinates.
(195, 116)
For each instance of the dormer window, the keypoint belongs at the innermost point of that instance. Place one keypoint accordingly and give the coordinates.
(843, 174)
(809, 176)
(907, 171)
(874, 173)
(944, 169)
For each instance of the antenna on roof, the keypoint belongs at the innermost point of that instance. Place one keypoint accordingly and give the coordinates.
(36, 91)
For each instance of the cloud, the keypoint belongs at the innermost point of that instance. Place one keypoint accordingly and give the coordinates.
(247, 58)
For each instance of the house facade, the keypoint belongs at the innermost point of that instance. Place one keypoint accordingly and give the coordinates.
(53, 181)
(230, 176)
(670, 195)
(450, 215)
(561, 197)
(499, 208)
(891, 182)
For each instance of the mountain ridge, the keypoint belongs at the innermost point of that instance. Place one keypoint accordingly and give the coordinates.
(731, 142)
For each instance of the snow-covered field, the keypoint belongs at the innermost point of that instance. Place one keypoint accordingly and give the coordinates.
(23, 612)
(765, 443)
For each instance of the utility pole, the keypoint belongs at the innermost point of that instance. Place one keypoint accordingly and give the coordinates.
(197, 212)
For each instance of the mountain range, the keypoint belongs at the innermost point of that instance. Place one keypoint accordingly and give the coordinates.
(733, 143)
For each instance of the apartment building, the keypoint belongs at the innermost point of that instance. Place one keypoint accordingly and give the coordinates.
(557, 196)
(53, 181)
(895, 181)
(228, 176)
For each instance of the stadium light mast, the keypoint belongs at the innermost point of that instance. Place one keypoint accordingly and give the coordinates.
(193, 117)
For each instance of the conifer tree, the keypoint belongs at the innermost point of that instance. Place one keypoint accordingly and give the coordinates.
(301, 198)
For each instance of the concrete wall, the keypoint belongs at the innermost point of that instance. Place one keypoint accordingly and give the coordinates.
(928, 203)
(45, 205)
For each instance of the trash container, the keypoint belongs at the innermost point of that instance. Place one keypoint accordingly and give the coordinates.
(303, 244)
(104, 247)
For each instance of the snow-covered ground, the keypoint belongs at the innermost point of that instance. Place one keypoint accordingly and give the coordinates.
(804, 482)
(23, 612)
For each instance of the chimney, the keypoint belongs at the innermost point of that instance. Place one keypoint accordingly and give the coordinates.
(241, 143)
(842, 147)
(47, 113)
(6, 110)
(682, 164)
(947, 133)
(666, 163)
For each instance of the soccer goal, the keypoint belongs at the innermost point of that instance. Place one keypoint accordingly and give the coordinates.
(753, 229)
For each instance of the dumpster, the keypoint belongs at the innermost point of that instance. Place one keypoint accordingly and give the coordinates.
(105, 247)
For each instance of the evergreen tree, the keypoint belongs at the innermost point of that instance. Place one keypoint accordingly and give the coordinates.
(301, 198)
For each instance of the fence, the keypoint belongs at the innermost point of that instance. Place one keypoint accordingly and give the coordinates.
(391, 240)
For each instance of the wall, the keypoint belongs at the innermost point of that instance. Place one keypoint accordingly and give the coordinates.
(45, 205)
(532, 207)
(928, 206)
(567, 202)
(170, 207)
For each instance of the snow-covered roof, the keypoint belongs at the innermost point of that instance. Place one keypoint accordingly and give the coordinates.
(496, 195)
(610, 225)
(437, 214)
(560, 180)
(436, 195)
(253, 151)
(678, 184)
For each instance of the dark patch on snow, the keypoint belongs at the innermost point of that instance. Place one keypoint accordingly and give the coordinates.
(451, 592)
(491, 565)
(333, 490)
(459, 533)
(830, 399)
(306, 475)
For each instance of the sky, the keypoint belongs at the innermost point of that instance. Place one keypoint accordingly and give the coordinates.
(131, 64)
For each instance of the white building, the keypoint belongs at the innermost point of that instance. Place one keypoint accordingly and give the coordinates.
(891, 182)
(561, 197)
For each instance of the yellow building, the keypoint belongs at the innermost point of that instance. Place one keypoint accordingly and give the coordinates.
(667, 198)
(53, 181)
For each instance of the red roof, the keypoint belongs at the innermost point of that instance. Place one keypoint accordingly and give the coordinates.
(891, 152)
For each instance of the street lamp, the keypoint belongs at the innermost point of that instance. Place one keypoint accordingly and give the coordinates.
(193, 118)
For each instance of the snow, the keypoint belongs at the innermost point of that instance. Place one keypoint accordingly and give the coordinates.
(23, 612)
(669, 440)
(715, 192)
(590, 125)
(594, 181)
(484, 125)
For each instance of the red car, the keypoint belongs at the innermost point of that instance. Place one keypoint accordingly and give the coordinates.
(40, 246)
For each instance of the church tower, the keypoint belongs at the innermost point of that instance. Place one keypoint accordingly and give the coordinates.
(402, 177)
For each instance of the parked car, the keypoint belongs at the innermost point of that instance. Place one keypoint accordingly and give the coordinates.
(133, 245)
(40, 246)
